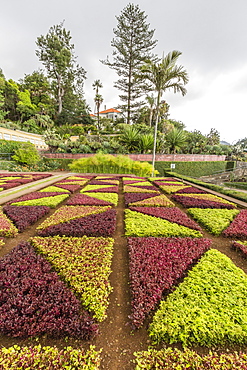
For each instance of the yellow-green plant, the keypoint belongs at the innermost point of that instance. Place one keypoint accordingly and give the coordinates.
(107, 163)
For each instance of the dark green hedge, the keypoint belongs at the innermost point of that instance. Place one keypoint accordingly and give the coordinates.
(62, 162)
(194, 169)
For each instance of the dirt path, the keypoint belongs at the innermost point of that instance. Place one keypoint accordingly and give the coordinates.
(116, 338)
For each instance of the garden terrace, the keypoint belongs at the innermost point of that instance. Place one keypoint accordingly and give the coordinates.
(99, 246)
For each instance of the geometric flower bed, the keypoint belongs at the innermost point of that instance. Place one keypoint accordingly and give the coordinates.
(108, 197)
(154, 201)
(240, 246)
(139, 224)
(202, 201)
(48, 357)
(71, 187)
(172, 214)
(7, 182)
(67, 213)
(155, 265)
(208, 308)
(25, 216)
(238, 228)
(53, 188)
(214, 220)
(85, 264)
(82, 199)
(173, 358)
(100, 224)
(6, 226)
(49, 201)
(138, 189)
(34, 195)
(34, 301)
(131, 198)
(191, 190)
(172, 188)
(102, 188)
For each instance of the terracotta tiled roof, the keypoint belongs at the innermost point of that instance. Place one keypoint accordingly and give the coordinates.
(111, 110)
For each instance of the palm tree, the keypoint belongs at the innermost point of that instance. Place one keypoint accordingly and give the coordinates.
(98, 98)
(175, 140)
(164, 75)
(151, 101)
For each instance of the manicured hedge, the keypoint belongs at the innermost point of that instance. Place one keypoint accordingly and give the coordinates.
(209, 308)
(194, 169)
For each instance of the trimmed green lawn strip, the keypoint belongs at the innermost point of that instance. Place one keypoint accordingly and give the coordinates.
(209, 308)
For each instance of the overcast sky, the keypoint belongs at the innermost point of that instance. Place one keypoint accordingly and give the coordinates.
(212, 36)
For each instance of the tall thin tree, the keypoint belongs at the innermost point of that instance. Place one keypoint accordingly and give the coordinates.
(98, 99)
(132, 45)
(164, 75)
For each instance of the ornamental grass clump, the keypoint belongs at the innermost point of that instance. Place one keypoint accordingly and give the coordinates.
(209, 308)
(107, 163)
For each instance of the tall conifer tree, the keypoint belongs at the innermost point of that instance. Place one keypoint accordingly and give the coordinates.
(132, 45)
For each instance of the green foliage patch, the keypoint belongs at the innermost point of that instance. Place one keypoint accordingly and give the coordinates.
(214, 220)
(47, 201)
(175, 359)
(49, 357)
(108, 197)
(85, 264)
(209, 308)
(138, 224)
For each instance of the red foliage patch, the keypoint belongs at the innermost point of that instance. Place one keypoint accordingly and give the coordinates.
(155, 266)
(172, 214)
(34, 301)
(238, 227)
(103, 224)
(25, 216)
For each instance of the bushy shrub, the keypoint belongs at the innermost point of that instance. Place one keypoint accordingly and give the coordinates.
(107, 163)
